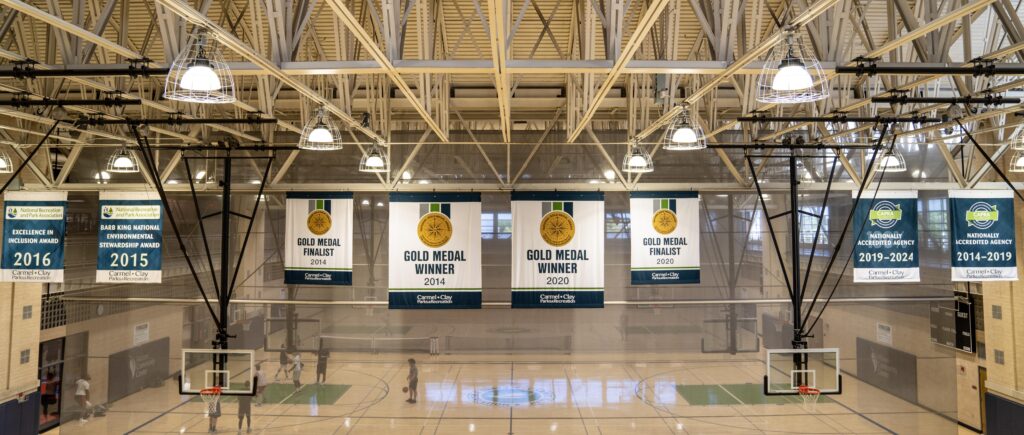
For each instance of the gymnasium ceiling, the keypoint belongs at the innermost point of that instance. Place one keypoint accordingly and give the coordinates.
(548, 95)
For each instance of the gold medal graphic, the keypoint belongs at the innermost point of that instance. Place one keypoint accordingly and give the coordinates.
(319, 222)
(557, 228)
(664, 221)
(434, 229)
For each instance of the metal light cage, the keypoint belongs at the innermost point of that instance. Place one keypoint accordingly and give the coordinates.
(117, 163)
(322, 119)
(1017, 163)
(791, 51)
(202, 50)
(637, 160)
(1018, 141)
(674, 143)
(6, 166)
(892, 161)
(375, 160)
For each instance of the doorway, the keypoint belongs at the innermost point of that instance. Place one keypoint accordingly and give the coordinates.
(982, 377)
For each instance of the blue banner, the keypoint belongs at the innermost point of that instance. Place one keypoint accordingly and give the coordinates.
(885, 228)
(34, 224)
(983, 245)
(130, 238)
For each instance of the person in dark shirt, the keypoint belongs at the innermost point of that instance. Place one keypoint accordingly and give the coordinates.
(284, 364)
(321, 365)
(245, 411)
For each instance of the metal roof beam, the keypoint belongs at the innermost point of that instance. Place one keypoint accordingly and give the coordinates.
(229, 40)
(368, 43)
(69, 28)
(644, 25)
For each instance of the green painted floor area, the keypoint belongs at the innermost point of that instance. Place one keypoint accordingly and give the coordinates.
(734, 394)
(326, 394)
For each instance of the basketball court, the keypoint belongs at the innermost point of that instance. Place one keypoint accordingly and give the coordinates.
(535, 394)
(511, 217)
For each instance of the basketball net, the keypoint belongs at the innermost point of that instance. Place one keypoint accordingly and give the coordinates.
(810, 396)
(210, 397)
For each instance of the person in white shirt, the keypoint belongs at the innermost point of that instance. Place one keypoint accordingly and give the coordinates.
(82, 397)
(261, 384)
(296, 370)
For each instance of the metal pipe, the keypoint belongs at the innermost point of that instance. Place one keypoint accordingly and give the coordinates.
(27, 71)
(979, 69)
(25, 102)
(171, 121)
(988, 100)
(94, 299)
(838, 118)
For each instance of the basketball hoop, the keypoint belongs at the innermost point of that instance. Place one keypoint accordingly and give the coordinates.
(810, 396)
(210, 397)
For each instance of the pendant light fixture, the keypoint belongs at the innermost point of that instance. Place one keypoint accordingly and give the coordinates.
(791, 74)
(6, 167)
(1017, 161)
(122, 162)
(637, 160)
(684, 134)
(375, 160)
(892, 161)
(320, 133)
(199, 73)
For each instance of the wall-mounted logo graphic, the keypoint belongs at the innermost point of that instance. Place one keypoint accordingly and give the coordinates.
(435, 226)
(319, 219)
(885, 214)
(108, 212)
(12, 212)
(557, 227)
(982, 215)
(665, 219)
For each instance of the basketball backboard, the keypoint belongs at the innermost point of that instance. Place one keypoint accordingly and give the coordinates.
(236, 375)
(786, 370)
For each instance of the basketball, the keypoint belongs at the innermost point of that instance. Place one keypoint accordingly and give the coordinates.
(405, 389)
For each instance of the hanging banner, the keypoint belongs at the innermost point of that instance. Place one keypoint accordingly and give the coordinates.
(434, 250)
(34, 224)
(664, 238)
(557, 249)
(318, 238)
(983, 246)
(130, 238)
(886, 232)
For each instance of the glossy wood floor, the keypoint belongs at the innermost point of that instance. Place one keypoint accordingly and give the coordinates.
(524, 394)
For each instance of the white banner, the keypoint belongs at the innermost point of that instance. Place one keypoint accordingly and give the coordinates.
(557, 249)
(318, 238)
(434, 250)
(664, 238)
(130, 238)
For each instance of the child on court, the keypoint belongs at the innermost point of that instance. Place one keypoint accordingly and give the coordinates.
(245, 411)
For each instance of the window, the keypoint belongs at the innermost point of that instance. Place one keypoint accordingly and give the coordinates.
(997, 312)
(616, 225)
(809, 225)
(495, 225)
(999, 357)
(26, 312)
(25, 354)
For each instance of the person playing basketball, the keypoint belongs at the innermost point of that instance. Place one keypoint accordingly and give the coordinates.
(413, 379)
